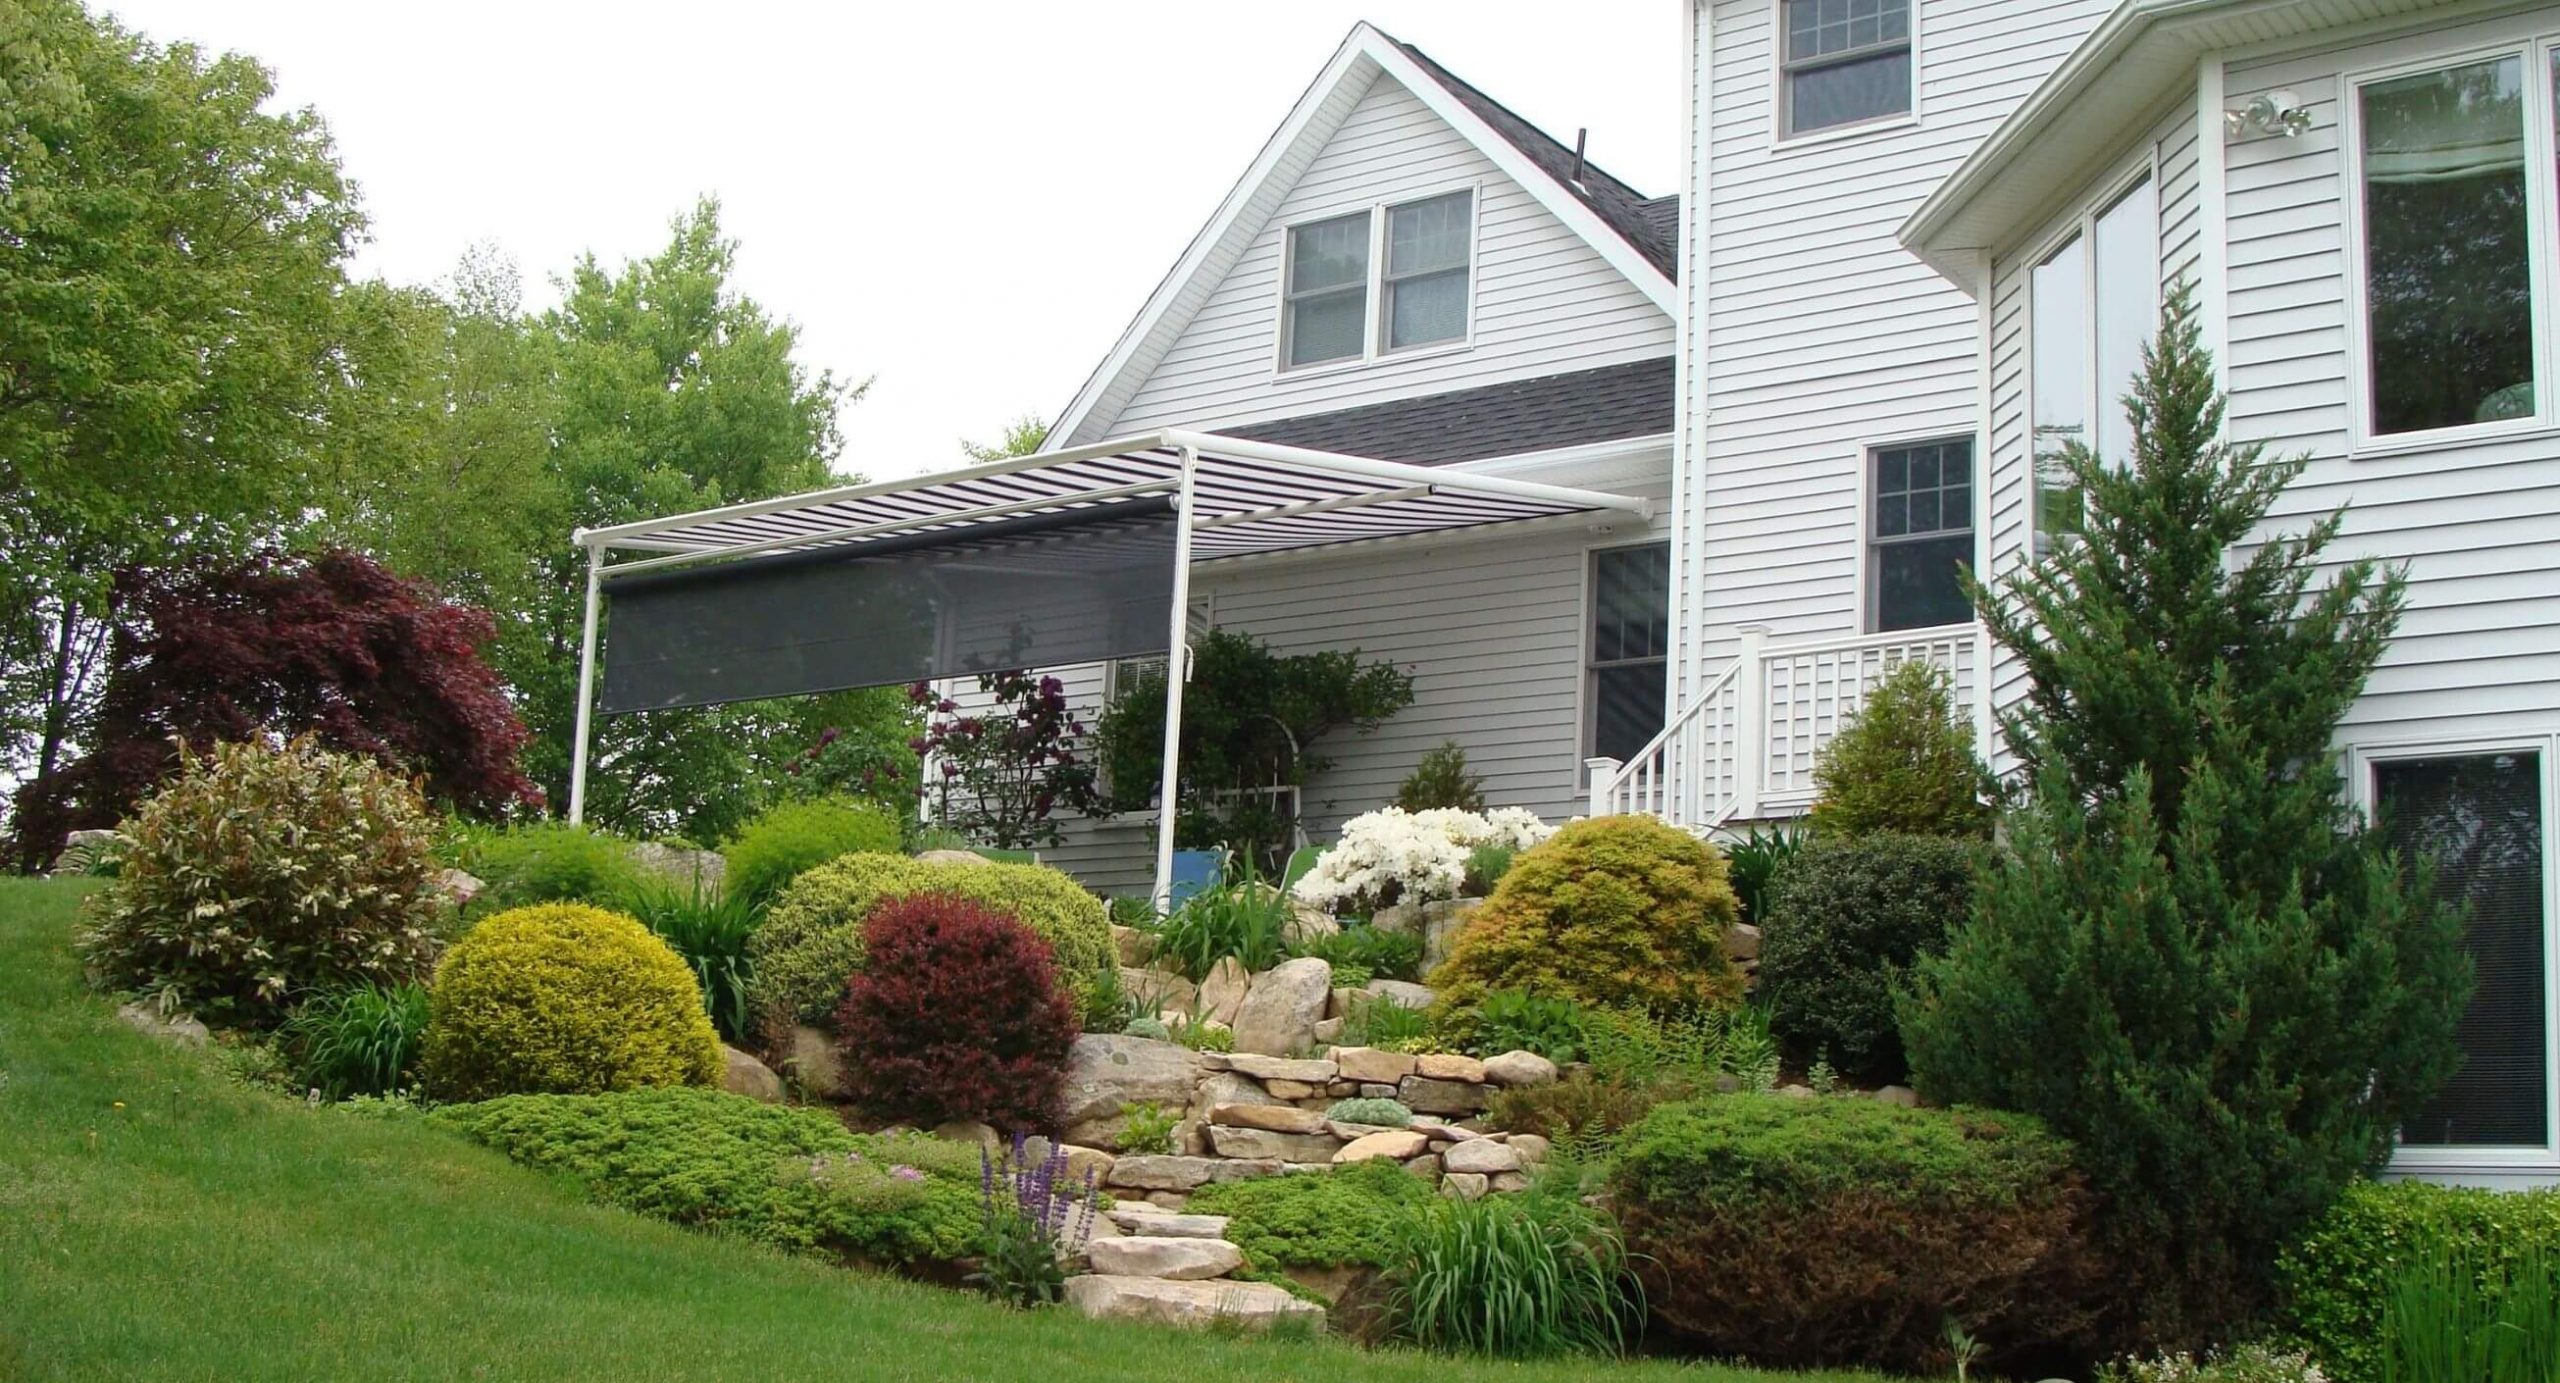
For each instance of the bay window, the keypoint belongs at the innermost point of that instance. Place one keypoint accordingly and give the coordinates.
(2094, 301)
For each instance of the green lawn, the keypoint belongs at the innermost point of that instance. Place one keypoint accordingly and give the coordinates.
(160, 1221)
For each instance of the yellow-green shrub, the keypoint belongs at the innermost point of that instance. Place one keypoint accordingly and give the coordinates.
(564, 999)
(812, 936)
(1610, 912)
(791, 838)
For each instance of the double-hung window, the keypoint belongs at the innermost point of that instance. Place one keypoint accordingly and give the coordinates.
(2094, 300)
(2446, 159)
(1919, 534)
(1630, 650)
(1844, 62)
(1413, 260)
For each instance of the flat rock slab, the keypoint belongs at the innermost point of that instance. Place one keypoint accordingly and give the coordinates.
(1262, 1143)
(1168, 1224)
(1276, 1118)
(1450, 1066)
(1186, 1173)
(1400, 1144)
(1165, 1256)
(1252, 1305)
(1372, 1065)
(1423, 1095)
(1304, 1071)
(1106, 1074)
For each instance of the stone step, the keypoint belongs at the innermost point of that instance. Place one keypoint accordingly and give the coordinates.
(1147, 1255)
(1165, 1224)
(1251, 1305)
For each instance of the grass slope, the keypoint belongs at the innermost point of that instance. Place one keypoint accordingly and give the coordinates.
(160, 1221)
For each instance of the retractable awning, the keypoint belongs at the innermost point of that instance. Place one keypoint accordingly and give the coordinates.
(1048, 560)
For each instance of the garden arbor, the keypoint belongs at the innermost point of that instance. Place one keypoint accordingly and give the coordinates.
(1065, 557)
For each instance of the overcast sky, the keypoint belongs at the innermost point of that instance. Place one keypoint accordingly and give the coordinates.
(964, 201)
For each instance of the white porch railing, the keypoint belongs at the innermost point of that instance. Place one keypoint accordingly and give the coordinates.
(1745, 746)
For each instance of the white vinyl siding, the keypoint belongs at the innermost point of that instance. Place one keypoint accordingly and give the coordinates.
(1543, 301)
(1818, 335)
(1493, 630)
(2477, 520)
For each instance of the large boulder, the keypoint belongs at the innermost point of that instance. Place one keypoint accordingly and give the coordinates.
(1245, 1305)
(1107, 1072)
(1480, 1155)
(1519, 1068)
(1402, 993)
(1223, 991)
(741, 1074)
(681, 864)
(1179, 1259)
(1158, 991)
(181, 1028)
(1280, 1013)
(811, 1058)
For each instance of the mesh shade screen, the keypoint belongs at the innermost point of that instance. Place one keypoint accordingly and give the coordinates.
(1046, 590)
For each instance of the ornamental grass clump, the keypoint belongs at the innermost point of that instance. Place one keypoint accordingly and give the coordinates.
(360, 1040)
(957, 1014)
(1613, 911)
(1515, 1276)
(265, 873)
(564, 999)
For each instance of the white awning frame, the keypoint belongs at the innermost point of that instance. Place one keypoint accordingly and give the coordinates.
(1232, 498)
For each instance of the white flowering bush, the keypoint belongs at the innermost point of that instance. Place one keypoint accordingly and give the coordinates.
(2247, 1364)
(1395, 856)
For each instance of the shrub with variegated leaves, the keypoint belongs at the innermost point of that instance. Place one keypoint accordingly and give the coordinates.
(261, 873)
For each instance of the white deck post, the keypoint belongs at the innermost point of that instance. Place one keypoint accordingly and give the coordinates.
(1598, 770)
(1177, 671)
(586, 687)
(1750, 722)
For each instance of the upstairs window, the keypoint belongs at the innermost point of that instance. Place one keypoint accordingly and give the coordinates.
(1630, 656)
(1328, 291)
(1920, 535)
(2095, 302)
(1844, 62)
(1427, 248)
(1415, 260)
(2448, 247)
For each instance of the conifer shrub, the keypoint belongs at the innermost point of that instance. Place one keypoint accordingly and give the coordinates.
(1847, 1232)
(956, 1013)
(1847, 919)
(2189, 955)
(261, 874)
(812, 937)
(561, 998)
(790, 838)
(1904, 763)
(550, 862)
(1441, 780)
(1614, 911)
(1355, 1216)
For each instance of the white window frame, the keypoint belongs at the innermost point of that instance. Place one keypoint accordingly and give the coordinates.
(1781, 102)
(1289, 296)
(2541, 149)
(1373, 339)
(1585, 669)
(2080, 225)
(2432, 1160)
(1866, 565)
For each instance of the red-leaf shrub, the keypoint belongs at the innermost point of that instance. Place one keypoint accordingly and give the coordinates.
(333, 646)
(956, 1014)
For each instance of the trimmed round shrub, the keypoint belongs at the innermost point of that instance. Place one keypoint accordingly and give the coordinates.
(2332, 1285)
(811, 941)
(262, 874)
(561, 998)
(1904, 763)
(552, 862)
(1847, 1232)
(1847, 917)
(955, 1014)
(1617, 910)
(790, 838)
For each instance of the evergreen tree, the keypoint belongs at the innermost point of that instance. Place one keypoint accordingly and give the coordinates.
(1903, 764)
(2190, 956)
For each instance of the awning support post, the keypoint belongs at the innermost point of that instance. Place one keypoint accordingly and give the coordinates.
(1177, 672)
(586, 687)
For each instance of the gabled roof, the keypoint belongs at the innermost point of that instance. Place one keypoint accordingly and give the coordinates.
(1606, 214)
(2137, 59)
(1610, 404)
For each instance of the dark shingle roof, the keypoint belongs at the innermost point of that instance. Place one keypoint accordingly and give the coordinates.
(1639, 220)
(1602, 405)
